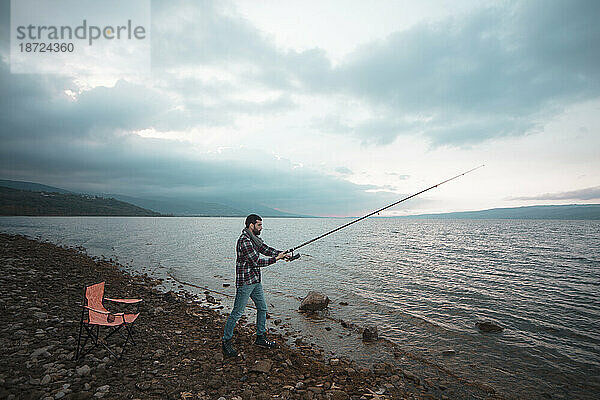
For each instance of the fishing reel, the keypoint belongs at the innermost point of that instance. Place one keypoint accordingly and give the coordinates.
(293, 256)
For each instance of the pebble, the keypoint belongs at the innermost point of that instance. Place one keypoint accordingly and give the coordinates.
(19, 334)
(40, 315)
(84, 370)
(104, 388)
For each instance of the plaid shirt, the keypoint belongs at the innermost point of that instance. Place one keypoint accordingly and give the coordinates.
(248, 261)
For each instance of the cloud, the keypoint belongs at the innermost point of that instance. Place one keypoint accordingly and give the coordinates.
(591, 193)
(398, 176)
(344, 170)
(495, 72)
(492, 73)
(140, 167)
(86, 145)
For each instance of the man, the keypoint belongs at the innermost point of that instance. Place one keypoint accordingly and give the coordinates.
(248, 283)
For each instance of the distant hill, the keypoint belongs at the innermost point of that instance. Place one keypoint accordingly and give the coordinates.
(34, 187)
(183, 206)
(26, 202)
(570, 211)
(201, 207)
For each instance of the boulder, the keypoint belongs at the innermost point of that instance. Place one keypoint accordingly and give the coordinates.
(370, 333)
(262, 366)
(314, 301)
(338, 395)
(488, 327)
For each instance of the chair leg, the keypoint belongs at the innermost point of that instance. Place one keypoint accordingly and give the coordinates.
(79, 341)
(115, 330)
(108, 349)
(128, 339)
(89, 334)
(130, 333)
(93, 334)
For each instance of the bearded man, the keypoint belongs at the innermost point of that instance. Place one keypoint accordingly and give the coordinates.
(248, 283)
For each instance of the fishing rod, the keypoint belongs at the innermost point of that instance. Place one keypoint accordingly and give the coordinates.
(295, 257)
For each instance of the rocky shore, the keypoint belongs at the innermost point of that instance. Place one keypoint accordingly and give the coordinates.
(178, 351)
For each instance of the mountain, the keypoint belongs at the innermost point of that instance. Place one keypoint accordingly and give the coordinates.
(178, 206)
(201, 207)
(570, 211)
(34, 187)
(26, 202)
(181, 207)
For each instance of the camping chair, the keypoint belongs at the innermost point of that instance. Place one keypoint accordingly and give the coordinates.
(98, 316)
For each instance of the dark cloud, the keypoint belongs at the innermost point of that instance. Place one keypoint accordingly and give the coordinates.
(591, 193)
(140, 167)
(495, 72)
(80, 145)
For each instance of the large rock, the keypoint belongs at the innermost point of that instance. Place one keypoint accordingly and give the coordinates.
(370, 333)
(338, 395)
(488, 327)
(263, 366)
(314, 301)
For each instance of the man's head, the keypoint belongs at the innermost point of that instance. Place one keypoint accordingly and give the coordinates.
(254, 223)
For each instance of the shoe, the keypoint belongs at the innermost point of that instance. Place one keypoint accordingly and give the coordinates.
(228, 349)
(262, 341)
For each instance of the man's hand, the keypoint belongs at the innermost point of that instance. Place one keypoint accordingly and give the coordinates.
(281, 255)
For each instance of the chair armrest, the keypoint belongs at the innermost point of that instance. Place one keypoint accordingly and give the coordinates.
(107, 313)
(126, 301)
(95, 310)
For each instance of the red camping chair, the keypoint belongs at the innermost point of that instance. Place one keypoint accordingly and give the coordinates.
(98, 316)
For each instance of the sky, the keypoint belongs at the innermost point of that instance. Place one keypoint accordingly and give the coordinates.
(330, 108)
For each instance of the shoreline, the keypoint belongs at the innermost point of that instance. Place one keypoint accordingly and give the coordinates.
(387, 350)
(178, 352)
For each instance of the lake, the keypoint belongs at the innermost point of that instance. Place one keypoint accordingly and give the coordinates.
(424, 283)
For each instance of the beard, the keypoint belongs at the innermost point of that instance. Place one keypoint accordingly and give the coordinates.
(256, 232)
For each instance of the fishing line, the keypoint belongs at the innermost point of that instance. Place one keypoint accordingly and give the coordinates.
(291, 251)
(203, 288)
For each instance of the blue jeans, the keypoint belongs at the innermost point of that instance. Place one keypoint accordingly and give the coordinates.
(254, 291)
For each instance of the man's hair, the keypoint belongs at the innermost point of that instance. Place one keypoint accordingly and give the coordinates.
(251, 219)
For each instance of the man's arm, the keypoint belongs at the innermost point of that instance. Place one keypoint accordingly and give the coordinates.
(248, 251)
(268, 251)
